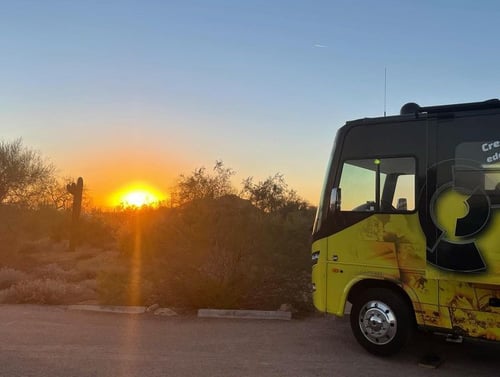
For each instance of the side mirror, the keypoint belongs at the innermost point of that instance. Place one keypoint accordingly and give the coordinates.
(335, 199)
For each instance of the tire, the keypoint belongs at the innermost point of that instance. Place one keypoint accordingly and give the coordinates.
(382, 321)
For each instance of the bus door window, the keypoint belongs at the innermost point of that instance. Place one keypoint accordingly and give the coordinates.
(378, 185)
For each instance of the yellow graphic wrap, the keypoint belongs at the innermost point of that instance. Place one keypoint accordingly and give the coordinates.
(392, 247)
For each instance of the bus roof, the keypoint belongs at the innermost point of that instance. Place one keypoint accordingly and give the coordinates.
(411, 111)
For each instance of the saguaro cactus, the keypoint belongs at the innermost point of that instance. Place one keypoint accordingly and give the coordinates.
(75, 189)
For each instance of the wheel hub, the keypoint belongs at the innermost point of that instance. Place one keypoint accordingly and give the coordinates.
(377, 322)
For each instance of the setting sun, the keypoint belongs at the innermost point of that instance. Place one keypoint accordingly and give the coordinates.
(139, 198)
(137, 195)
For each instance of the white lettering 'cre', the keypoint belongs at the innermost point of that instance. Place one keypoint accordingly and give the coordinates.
(489, 146)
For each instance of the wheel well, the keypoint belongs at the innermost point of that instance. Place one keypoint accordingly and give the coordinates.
(365, 284)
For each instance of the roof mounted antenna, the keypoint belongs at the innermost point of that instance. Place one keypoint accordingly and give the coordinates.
(385, 90)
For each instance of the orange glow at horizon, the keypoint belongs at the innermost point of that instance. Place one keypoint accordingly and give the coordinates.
(136, 195)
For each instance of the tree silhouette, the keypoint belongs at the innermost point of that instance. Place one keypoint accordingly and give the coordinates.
(201, 184)
(272, 194)
(23, 173)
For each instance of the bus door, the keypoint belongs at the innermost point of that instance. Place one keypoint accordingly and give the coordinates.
(463, 224)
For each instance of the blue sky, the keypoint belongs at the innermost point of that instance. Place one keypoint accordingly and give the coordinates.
(151, 89)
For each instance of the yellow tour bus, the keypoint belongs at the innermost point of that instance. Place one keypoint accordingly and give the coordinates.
(408, 226)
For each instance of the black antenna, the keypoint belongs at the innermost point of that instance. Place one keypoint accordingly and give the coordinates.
(385, 90)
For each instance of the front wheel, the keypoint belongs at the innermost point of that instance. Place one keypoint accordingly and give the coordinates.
(381, 321)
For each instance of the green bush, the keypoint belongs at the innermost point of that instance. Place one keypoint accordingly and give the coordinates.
(123, 288)
(226, 253)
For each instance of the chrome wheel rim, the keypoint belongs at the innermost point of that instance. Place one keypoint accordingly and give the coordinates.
(378, 322)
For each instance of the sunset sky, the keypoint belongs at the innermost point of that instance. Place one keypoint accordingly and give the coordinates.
(121, 92)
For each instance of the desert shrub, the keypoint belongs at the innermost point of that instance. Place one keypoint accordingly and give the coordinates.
(221, 250)
(89, 284)
(198, 252)
(96, 231)
(30, 247)
(9, 244)
(123, 288)
(86, 253)
(203, 184)
(10, 257)
(40, 223)
(54, 271)
(28, 224)
(10, 276)
(90, 267)
(111, 288)
(23, 234)
(227, 253)
(288, 270)
(44, 291)
(134, 227)
(59, 229)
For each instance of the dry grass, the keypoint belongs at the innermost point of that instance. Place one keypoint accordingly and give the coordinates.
(45, 291)
(45, 272)
(10, 276)
(37, 268)
(56, 272)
